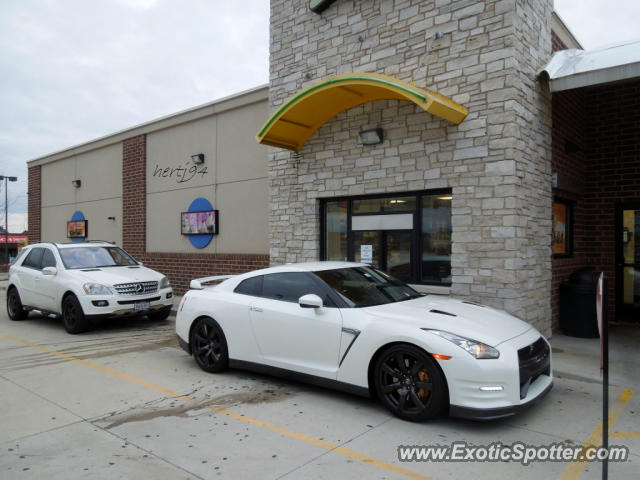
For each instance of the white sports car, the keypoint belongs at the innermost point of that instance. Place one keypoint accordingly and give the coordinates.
(354, 328)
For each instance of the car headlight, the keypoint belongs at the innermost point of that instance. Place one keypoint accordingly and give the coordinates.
(96, 289)
(472, 347)
(164, 283)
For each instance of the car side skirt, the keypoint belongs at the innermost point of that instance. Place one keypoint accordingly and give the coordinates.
(300, 377)
(487, 414)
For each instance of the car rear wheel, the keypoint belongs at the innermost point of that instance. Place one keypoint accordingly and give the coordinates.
(14, 305)
(409, 383)
(209, 345)
(73, 316)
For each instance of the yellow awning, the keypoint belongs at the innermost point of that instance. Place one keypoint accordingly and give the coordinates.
(305, 112)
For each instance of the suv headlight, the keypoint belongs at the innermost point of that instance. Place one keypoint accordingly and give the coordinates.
(164, 283)
(96, 289)
(472, 347)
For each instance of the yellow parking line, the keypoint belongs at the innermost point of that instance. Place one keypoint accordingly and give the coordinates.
(624, 434)
(253, 421)
(575, 468)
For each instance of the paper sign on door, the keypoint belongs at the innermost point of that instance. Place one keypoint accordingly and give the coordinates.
(366, 253)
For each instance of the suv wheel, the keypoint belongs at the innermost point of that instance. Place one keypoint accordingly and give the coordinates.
(159, 315)
(14, 305)
(72, 315)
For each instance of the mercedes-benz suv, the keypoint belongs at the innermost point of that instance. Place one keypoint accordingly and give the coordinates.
(81, 282)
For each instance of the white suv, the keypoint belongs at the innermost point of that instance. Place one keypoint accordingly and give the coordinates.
(85, 281)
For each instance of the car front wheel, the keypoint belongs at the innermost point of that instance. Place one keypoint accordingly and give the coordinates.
(409, 383)
(14, 305)
(209, 345)
(73, 316)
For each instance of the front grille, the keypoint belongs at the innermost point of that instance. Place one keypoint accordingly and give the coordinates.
(534, 360)
(136, 288)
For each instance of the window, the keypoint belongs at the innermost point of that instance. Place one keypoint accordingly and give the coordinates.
(406, 235)
(250, 286)
(34, 259)
(48, 260)
(336, 231)
(289, 287)
(95, 257)
(436, 239)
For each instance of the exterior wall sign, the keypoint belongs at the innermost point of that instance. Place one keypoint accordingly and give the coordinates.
(562, 228)
(77, 227)
(200, 222)
(181, 173)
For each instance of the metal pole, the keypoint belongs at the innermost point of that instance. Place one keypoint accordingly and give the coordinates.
(6, 221)
(605, 380)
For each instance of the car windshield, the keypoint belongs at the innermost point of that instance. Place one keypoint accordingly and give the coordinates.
(366, 286)
(95, 257)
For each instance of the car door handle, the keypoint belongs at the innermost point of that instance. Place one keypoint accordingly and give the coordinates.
(255, 309)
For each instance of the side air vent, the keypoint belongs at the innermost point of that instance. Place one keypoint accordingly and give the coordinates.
(134, 267)
(441, 312)
(91, 270)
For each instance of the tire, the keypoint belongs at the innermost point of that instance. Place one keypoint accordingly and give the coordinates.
(14, 305)
(73, 317)
(159, 315)
(209, 345)
(409, 383)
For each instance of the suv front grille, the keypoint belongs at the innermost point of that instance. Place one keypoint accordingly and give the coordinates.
(534, 360)
(136, 288)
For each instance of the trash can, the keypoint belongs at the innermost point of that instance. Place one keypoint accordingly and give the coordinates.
(578, 317)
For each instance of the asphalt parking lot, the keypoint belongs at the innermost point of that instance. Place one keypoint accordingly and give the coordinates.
(124, 401)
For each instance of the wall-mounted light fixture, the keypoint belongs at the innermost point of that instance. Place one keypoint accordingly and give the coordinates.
(197, 158)
(371, 137)
(111, 218)
(76, 183)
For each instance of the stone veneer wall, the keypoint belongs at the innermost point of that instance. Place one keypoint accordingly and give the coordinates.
(497, 161)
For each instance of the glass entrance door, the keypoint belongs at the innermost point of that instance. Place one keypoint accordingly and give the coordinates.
(391, 251)
(628, 264)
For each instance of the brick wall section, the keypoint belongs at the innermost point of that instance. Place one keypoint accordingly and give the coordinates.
(497, 161)
(181, 268)
(134, 195)
(569, 117)
(613, 158)
(34, 206)
(556, 43)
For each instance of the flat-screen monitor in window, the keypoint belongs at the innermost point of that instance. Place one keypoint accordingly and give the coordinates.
(199, 223)
(77, 229)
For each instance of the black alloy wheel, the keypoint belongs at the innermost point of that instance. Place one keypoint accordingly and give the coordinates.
(72, 315)
(14, 305)
(209, 345)
(409, 383)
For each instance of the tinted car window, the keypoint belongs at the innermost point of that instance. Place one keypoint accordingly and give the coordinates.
(366, 286)
(250, 286)
(34, 259)
(289, 287)
(48, 260)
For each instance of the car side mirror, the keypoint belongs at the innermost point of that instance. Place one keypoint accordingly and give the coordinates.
(310, 301)
(49, 271)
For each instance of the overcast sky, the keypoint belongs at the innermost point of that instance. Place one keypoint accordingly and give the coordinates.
(74, 70)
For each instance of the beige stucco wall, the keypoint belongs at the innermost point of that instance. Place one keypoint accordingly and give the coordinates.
(235, 181)
(99, 197)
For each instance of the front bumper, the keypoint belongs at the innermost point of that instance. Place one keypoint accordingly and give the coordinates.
(125, 305)
(493, 388)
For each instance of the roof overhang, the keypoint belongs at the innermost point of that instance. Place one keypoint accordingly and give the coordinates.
(305, 112)
(569, 69)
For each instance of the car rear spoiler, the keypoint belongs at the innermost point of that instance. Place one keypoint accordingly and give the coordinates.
(197, 283)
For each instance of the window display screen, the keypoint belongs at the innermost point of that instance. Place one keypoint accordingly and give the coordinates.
(199, 223)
